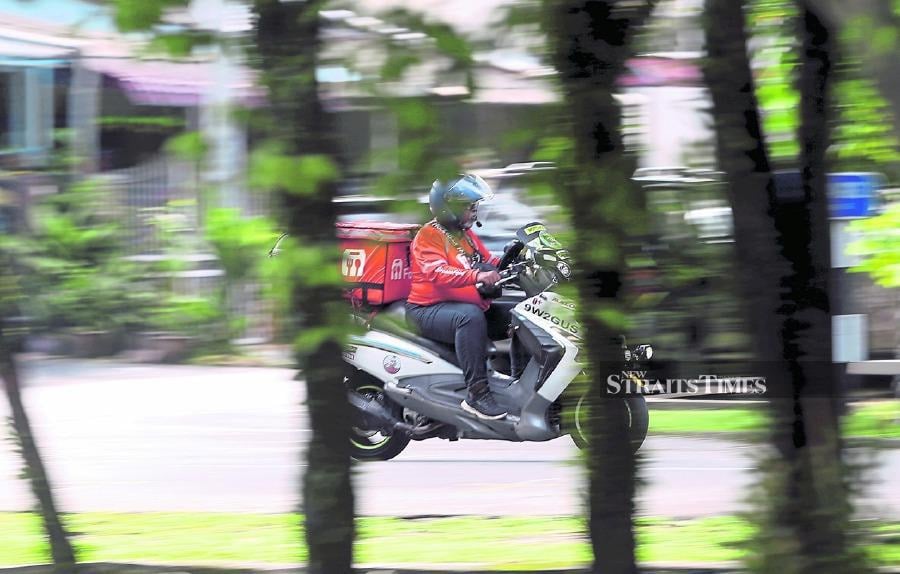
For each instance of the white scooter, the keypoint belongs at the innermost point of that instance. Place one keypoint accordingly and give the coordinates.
(405, 387)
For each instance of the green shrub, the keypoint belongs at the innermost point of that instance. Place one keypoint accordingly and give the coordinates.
(72, 267)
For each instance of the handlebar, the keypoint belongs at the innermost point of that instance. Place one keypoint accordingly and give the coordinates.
(507, 274)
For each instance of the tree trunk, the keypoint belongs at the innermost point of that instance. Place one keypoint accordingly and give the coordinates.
(287, 37)
(742, 155)
(60, 548)
(590, 47)
(782, 245)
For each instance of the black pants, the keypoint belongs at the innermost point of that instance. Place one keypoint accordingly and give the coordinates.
(464, 325)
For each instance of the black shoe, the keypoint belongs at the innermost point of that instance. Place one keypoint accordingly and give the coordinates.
(483, 406)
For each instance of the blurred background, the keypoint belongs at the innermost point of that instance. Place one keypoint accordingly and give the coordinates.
(125, 163)
(136, 222)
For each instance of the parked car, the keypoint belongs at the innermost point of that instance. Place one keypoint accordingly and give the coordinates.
(530, 166)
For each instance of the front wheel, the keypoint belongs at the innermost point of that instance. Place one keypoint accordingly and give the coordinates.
(638, 417)
(367, 444)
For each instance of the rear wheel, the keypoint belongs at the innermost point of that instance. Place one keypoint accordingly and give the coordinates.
(368, 444)
(637, 415)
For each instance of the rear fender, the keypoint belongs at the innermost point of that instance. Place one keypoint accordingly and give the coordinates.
(389, 358)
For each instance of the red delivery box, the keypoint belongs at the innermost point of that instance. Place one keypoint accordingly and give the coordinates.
(375, 259)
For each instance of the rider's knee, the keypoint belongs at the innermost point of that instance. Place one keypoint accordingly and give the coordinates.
(471, 315)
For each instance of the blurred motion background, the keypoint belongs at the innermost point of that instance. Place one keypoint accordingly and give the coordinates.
(136, 213)
(127, 192)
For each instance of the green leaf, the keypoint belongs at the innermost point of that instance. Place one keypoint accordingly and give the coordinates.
(613, 318)
(451, 44)
(301, 175)
(524, 14)
(311, 339)
(879, 246)
(555, 148)
(180, 44)
(137, 122)
(188, 146)
(316, 266)
(269, 167)
(142, 15)
(315, 171)
(884, 41)
(397, 63)
(414, 115)
(240, 242)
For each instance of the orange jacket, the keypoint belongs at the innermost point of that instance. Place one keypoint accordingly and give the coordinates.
(440, 273)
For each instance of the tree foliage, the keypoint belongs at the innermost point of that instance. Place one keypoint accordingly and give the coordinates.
(879, 246)
(297, 164)
(12, 294)
(72, 264)
(864, 137)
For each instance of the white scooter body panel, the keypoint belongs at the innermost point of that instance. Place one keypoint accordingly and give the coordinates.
(555, 314)
(389, 358)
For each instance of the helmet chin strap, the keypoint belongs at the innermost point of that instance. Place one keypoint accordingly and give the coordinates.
(469, 225)
(472, 223)
(455, 226)
(454, 223)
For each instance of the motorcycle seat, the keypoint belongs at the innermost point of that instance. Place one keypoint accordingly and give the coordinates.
(392, 319)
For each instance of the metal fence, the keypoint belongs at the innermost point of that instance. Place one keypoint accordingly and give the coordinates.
(149, 189)
(161, 204)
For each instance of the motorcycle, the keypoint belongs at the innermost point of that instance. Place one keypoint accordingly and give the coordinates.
(404, 387)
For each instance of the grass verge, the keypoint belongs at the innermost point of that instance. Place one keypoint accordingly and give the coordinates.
(869, 420)
(477, 542)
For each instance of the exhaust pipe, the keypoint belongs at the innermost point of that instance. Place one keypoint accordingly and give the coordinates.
(373, 415)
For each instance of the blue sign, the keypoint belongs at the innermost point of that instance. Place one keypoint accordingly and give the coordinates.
(853, 194)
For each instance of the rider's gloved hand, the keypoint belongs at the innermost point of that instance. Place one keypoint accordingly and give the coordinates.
(487, 277)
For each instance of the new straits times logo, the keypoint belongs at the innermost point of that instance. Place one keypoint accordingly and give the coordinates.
(637, 383)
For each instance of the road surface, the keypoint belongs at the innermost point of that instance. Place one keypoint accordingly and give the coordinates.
(180, 438)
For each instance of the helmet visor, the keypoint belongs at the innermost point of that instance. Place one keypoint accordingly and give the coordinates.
(468, 189)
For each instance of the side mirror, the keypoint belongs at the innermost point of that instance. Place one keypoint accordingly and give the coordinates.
(275, 248)
(510, 251)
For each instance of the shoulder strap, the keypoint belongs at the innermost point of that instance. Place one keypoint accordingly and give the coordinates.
(476, 255)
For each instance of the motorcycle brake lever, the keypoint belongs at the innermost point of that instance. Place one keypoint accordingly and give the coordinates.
(505, 277)
(507, 274)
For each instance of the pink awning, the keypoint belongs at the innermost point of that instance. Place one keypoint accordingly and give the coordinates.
(168, 83)
(656, 71)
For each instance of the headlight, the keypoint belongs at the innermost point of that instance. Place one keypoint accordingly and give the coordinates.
(644, 351)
